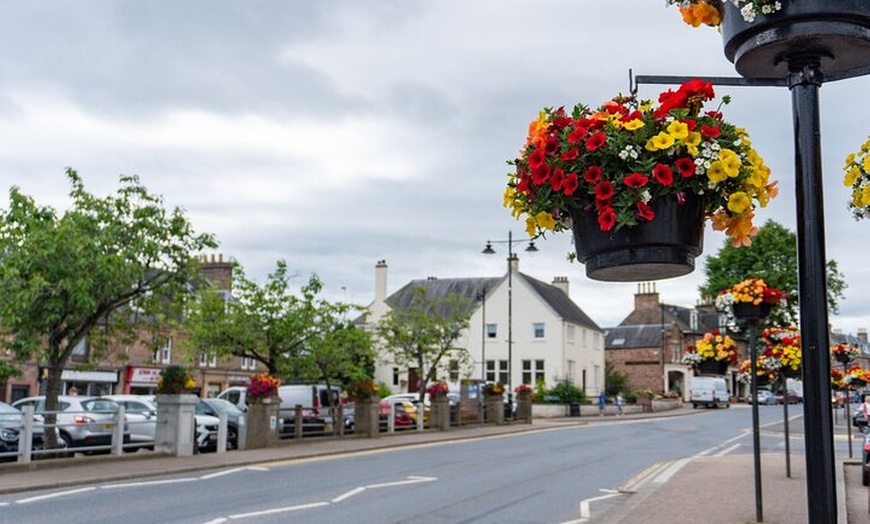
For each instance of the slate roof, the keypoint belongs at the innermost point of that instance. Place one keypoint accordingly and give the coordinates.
(633, 336)
(474, 288)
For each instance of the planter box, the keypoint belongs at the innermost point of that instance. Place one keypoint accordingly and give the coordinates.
(176, 424)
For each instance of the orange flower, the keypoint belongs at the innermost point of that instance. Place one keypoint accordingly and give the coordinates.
(701, 13)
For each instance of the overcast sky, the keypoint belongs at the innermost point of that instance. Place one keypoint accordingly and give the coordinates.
(334, 134)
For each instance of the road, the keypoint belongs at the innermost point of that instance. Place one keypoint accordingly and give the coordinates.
(555, 476)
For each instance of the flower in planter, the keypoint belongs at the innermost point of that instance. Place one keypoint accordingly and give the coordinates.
(524, 388)
(263, 386)
(175, 380)
(837, 377)
(782, 348)
(493, 388)
(617, 159)
(845, 352)
(750, 291)
(437, 390)
(363, 389)
(857, 177)
(709, 12)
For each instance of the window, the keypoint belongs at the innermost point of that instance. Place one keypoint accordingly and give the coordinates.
(533, 371)
(212, 362)
(249, 363)
(453, 367)
(538, 328)
(163, 353)
(395, 376)
(80, 350)
(491, 330)
(203, 360)
(497, 371)
(569, 333)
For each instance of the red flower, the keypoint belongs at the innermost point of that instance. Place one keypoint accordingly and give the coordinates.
(595, 141)
(686, 166)
(663, 174)
(571, 154)
(604, 190)
(592, 175)
(569, 185)
(709, 132)
(607, 219)
(602, 203)
(644, 211)
(716, 115)
(557, 179)
(552, 145)
(536, 158)
(690, 123)
(578, 134)
(541, 173)
(635, 180)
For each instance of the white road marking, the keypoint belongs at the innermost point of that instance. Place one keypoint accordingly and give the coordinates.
(229, 471)
(54, 495)
(727, 450)
(411, 480)
(278, 510)
(4, 503)
(349, 494)
(671, 471)
(217, 521)
(148, 483)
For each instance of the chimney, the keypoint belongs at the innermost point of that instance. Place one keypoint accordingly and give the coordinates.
(862, 335)
(217, 272)
(514, 262)
(381, 281)
(561, 283)
(647, 297)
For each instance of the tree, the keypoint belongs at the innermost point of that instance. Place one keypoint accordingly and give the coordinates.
(425, 333)
(614, 380)
(93, 275)
(296, 336)
(773, 258)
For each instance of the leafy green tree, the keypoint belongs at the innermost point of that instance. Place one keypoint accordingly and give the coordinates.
(614, 381)
(297, 336)
(424, 334)
(96, 274)
(772, 257)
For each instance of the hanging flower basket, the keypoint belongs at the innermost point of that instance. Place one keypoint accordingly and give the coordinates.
(635, 181)
(747, 311)
(760, 45)
(663, 248)
(713, 367)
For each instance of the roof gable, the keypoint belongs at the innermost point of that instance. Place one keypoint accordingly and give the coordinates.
(560, 302)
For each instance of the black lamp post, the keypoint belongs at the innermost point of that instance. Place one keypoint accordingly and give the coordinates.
(512, 257)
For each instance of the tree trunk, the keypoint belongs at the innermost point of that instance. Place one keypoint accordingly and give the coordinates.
(55, 370)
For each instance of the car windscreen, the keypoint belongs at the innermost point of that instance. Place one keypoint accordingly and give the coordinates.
(100, 404)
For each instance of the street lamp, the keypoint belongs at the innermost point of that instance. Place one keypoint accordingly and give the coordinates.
(512, 257)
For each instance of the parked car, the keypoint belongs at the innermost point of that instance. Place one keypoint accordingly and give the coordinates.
(401, 418)
(11, 422)
(81, 421)
(314, 399)
(765, 397)
(859, 420)
(710, 391)
(793, 397)
(141, 415)
(214, 407)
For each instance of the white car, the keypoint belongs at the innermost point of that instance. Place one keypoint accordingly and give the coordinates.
(141, 414)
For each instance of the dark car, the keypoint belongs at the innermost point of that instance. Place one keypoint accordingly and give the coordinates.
(10, 431)
(214, 407)
(793, 397)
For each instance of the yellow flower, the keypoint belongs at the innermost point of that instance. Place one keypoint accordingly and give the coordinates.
(545, 220)
(659, 142)
(739, 202)
(716, 172)
(678, 130)
(730, 162)
(849, 159)
(633, 125)
(851, 176)
(865, 196)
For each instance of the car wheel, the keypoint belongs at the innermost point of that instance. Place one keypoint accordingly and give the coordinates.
(694, 406)
(232, 439)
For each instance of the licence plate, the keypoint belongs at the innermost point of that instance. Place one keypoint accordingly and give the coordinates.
(108, 425)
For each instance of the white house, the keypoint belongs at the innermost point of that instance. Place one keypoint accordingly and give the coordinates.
(552, 338)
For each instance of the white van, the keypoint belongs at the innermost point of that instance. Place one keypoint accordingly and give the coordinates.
(314, 399)
(710, 391)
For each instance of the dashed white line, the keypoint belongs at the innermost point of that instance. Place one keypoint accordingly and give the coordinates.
(671, 471)
(54, 495)
(278, 510)
(411, 480)
(727, 450)
(349, 494)
(220, 520)
(148, 483)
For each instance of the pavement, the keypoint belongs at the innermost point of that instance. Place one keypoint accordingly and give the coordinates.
(717, 489)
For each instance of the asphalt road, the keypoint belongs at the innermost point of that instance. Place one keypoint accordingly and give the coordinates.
(538, 477)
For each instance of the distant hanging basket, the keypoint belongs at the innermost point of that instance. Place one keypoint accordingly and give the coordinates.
(749, 311)
(835, 31)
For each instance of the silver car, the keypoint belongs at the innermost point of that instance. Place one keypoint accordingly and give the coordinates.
(81, 421)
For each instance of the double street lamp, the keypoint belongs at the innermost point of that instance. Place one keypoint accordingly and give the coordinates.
(511, 258)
